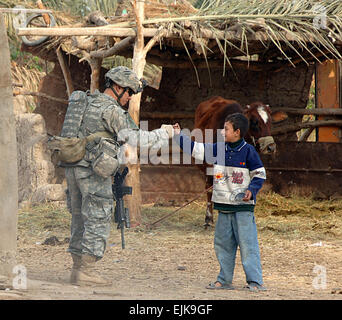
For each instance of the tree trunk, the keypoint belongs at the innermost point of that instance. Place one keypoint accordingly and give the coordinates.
(8, 162)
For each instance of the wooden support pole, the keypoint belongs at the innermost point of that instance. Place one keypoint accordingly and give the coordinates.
(95, 65)
(65, 70)
(8, 164)
(138, 64)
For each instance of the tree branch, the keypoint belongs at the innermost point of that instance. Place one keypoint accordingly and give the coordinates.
(116, 49)
(161, 33)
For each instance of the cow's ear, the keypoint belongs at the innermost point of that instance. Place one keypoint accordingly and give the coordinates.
(279, 116)
(246, 109)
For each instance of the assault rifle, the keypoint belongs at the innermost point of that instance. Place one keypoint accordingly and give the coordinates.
(121, 214)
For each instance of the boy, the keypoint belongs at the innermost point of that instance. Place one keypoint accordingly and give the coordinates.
(238, 176)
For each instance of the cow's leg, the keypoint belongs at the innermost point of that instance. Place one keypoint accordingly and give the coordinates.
(209, 217)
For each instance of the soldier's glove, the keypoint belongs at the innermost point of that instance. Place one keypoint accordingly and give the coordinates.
(169, 129)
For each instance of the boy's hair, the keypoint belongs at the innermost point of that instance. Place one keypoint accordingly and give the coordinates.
(238, 121)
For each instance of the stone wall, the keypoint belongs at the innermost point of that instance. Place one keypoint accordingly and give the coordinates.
(36, 172)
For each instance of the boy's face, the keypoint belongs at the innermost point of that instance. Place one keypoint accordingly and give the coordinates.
(229, 134)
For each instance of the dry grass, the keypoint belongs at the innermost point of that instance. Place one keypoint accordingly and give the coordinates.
(298, 218)
(40, 221)
(29, 80)
(277, 217)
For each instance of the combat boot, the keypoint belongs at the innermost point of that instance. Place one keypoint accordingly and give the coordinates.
(86, 274)
(75, 268)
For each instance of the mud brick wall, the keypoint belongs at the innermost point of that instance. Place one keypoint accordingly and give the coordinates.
(179, 90)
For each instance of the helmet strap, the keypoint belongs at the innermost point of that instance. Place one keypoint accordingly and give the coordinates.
(118, 96)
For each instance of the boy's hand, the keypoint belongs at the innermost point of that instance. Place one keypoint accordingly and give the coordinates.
(248, 196)
(177, 128)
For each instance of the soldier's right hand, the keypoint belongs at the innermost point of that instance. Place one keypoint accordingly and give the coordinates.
(169, 129)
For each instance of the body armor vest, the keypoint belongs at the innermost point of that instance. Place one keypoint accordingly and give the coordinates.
(84, 118)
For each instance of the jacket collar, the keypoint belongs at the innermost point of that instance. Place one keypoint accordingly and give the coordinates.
(237, 146)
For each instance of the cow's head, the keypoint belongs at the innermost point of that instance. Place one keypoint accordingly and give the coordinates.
(260, 120)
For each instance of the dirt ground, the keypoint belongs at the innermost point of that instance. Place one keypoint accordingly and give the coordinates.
(300, 242)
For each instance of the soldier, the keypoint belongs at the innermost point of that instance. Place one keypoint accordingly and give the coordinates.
(89, 181)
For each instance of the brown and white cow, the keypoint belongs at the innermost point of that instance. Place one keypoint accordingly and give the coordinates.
(210, 114)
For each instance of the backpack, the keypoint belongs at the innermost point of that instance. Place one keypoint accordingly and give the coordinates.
(68, 147)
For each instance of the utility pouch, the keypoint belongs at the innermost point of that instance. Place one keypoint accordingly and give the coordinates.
(105, 162)
(68, 150)
(72, 150)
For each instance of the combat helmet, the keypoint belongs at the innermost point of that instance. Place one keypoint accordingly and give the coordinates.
(125, 78)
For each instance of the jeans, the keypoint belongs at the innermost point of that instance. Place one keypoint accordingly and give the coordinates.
(232, 230)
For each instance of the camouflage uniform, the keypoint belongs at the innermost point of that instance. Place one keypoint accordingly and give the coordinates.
(89, 196)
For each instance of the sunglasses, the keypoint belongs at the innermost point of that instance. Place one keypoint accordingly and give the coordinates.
(130, 91)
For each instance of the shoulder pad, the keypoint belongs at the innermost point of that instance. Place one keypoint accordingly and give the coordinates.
(77, 95)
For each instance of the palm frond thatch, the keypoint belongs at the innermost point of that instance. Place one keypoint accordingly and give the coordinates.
(301, 26)
(296, 29)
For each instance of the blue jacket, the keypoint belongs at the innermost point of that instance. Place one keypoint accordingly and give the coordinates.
(236, 169)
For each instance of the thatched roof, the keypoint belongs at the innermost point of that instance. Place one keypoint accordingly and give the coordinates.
(278, 32)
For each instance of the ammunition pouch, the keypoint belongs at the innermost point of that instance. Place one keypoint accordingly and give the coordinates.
(105, 157)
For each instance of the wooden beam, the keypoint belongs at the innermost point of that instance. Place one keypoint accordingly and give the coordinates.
(94, 31)
(316, 111)
(302, 125)
(66, 71)
(19, 10)
(201, 64)
(147, 32)
(306, 134)
(167, 115)
(38, 94)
